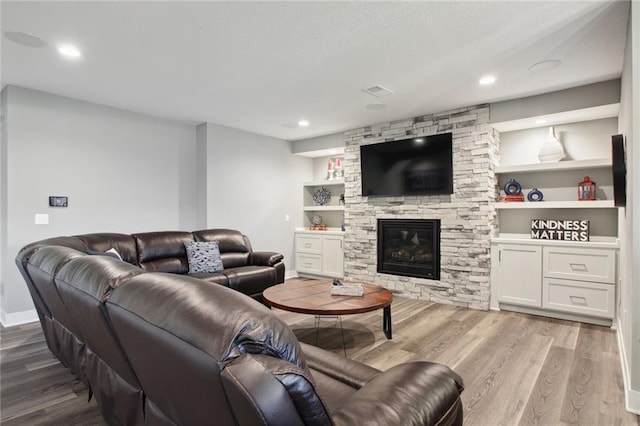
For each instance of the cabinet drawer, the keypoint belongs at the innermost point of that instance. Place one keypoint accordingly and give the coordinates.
(309, 243)
(311, 263)
(579, 297)
(582, 264)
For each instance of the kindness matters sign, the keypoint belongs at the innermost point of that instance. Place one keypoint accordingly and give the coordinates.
(566, 230)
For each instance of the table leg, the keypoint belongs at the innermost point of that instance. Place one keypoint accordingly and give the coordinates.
(386, 321)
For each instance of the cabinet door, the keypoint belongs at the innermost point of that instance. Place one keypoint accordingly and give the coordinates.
(520, 275)
(333, 256)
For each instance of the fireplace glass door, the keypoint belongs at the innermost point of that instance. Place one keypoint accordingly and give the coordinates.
(409, 247)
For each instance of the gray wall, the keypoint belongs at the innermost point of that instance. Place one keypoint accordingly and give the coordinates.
(253, 182)
(123, 172)
(629, 218)
(604, 93)
(334, 140)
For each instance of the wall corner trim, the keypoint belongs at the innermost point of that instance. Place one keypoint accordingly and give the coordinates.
(18, 318)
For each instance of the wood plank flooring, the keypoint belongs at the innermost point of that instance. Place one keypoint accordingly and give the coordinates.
(518, 369)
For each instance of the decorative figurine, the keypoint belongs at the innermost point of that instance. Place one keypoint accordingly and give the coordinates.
(534, 195)
(513, 192)
(512, 187)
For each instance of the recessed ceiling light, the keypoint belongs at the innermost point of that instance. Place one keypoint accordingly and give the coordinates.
(303, 123)
(69, 51)
(545, 65)
(487, 80)
(25, 39)
(541, 121)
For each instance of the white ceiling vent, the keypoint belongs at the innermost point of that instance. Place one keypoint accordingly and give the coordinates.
(378, 91)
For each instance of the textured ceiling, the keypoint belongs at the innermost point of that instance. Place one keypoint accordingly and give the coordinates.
(262, 66)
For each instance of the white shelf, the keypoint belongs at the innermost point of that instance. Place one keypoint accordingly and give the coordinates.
(323, 208)
(597, 163)
(574, 116)
(594, 241)
(333, 182)
(596, 204)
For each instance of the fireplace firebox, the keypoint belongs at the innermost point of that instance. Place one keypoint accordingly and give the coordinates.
(409, 247)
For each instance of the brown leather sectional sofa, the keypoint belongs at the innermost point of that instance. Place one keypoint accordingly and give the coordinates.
(162, 348)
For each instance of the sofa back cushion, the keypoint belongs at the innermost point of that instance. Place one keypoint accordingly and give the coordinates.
(163, 251)
(193, 329)
(42, 267)
(124, 244)
(235, 247)
(84, 284)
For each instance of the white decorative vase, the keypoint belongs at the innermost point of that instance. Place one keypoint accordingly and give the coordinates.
(551, 150)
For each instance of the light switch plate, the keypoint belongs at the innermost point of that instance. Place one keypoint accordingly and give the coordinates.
(42, 219)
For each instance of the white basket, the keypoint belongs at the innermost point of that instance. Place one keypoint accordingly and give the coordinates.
(347, 290)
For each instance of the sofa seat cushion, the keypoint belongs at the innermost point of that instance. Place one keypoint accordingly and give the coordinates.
(251, 280)
(213, 277)
(203, 256)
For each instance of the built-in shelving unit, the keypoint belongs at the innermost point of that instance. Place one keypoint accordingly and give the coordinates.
(321, 252)
(332, 213)
(564, 279)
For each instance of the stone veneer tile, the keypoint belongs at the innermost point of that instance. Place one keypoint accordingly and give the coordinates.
(468, 216)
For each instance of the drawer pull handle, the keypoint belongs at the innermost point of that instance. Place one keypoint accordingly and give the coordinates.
(307, 265)
(307, 245)
(578, 267)
(578, 300)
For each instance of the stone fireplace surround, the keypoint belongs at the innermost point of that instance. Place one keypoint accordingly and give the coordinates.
(468, 216)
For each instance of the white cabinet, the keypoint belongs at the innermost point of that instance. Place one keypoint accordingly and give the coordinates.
(557, 279)
(519, 275)
(320, 253)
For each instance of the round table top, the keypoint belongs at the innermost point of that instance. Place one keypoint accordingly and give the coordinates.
(314, 297)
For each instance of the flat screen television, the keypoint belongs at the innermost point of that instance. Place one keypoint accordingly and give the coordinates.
(417, 166)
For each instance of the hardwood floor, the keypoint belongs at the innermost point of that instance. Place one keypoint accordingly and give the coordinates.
(518, 369)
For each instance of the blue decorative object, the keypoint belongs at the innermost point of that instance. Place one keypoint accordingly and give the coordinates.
(535, 195)
(513, 188)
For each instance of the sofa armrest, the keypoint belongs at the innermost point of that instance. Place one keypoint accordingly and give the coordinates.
(352, 373)
(415, 393)
(265, 258)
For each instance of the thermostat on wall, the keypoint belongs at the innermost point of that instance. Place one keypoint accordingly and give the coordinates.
(58, 202)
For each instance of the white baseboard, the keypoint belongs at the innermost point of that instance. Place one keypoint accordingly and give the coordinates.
(631, 396)
(290, 274)
(17, 318)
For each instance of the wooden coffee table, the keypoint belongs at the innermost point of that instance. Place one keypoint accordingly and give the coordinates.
(314, 297)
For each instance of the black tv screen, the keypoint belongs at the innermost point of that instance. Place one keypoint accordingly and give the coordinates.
(417, 166)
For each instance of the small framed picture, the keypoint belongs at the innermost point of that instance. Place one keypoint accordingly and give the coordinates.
(56, 201)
